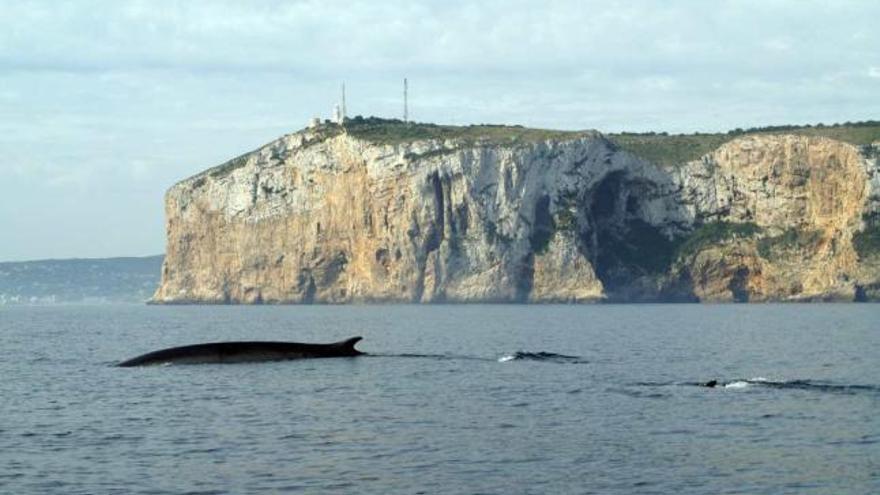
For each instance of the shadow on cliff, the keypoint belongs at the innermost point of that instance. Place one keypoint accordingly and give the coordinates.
(632, 256)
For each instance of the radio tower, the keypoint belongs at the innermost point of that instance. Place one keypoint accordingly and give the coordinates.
(405, 103)
(342, 120)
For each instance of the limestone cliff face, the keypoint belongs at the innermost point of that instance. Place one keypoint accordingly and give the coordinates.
(332, 218)
(808, 196)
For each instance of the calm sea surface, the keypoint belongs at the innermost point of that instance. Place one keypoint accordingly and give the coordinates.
(453, 399)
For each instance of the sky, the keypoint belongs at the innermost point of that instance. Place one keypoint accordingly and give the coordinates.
(106, 104)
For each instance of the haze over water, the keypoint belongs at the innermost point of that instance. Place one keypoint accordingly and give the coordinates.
(452, 399)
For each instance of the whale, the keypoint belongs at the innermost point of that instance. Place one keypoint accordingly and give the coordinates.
(244, 352)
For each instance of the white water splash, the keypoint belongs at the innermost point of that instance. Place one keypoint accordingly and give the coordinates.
(737, 384)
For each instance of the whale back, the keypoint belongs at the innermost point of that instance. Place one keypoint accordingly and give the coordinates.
(249, 351)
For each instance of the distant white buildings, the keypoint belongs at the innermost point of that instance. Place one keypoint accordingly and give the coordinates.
(338, 113)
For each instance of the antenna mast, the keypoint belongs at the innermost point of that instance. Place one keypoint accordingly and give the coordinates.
(405, 103)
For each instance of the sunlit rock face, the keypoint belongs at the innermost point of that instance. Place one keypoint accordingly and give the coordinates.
(809, 196)
(331, 218)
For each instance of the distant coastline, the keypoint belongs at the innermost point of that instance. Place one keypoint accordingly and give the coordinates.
(79, 280)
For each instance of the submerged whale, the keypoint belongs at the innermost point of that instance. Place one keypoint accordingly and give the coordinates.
(243, 352)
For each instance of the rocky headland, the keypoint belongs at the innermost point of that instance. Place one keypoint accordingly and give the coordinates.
(383, 211)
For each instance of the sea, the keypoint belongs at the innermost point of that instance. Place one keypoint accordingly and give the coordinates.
(451, 399)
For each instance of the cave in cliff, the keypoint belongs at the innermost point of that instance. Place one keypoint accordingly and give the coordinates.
(619, 240)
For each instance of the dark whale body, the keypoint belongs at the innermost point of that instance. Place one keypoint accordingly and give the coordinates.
(243, 352)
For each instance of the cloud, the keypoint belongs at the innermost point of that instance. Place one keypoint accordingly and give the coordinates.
(117, 99)
(315, 37)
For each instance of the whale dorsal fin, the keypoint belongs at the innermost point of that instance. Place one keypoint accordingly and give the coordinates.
(348, 345)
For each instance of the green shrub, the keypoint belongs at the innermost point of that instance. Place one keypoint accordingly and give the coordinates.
(566, 220)
(715, 233)
(867, 242)
(394, 131)
(566, 211)
(791, 240)
(677, 149)
(227, 167)
(669, 150)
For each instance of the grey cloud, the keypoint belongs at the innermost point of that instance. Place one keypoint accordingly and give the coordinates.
(104, 104)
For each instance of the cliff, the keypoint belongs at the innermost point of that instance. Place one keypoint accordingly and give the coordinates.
(385, 211)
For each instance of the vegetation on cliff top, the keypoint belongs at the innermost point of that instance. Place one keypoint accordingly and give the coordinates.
(393, 131)
(661, 148)
(228, 166)
(675, 149)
